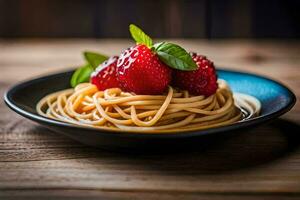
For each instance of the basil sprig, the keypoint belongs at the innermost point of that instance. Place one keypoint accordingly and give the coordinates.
(83, 73)
(171, 54)
(175, 56)
(94, 59)
(139, 36)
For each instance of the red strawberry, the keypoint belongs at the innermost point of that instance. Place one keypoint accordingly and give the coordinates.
(105, 75)
(202, 81)
(140, 71)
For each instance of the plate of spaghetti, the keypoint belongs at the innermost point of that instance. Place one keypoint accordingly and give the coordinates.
(149, 95)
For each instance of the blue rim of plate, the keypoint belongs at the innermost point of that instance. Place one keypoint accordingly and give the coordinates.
(249, 122)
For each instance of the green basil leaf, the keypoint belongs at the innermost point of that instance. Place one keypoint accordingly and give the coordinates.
(139, 36)
(94, 59)
(175, 56)
(81, 75)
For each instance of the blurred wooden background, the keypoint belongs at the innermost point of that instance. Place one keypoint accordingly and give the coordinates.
(161, 18)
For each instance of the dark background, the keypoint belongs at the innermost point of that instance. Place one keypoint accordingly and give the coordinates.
(160, 18)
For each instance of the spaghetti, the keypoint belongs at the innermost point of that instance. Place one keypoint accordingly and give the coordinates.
(177, 110)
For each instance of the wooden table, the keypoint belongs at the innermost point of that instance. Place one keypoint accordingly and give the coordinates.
(261, 163)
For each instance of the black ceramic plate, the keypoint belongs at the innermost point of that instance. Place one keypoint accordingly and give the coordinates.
(276, 99)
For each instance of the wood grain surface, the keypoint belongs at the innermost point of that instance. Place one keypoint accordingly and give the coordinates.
(260, 163)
